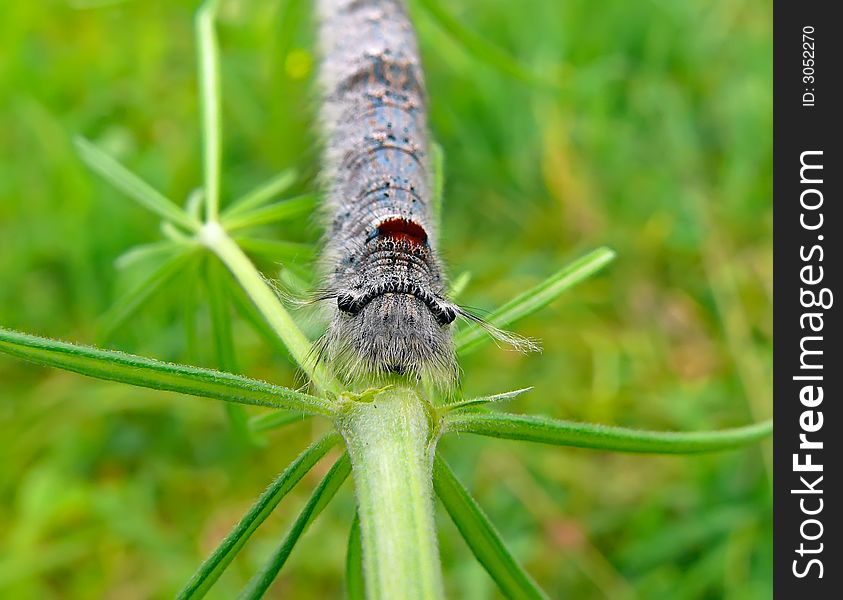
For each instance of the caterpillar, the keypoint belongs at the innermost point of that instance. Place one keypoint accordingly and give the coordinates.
(382, 274)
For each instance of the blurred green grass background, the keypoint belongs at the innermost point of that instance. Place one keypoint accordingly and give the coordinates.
(657, 143)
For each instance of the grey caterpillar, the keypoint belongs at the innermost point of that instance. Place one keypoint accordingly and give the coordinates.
(381, 268)
(383, 279)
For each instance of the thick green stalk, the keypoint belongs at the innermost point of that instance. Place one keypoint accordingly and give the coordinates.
(391, 440)
(218, 241)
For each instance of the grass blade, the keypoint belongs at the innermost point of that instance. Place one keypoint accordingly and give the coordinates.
(220, 317)
(437, 156)
(189, 309)
(132, 185)
(148, 252)
(535, 298)
(130, 302)
(173, 233)
(323, 494)
(458, 285)
(150, 373)
(277, 250)
(264, 193)
(210, 95)
(481, 536)
(275, 420)
(279, 211)
(214, 565)
(354, 583)
(481, 49)
(226, 358)
(684, 537)
(602, 437)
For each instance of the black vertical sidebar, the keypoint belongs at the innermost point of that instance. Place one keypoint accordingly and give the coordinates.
(808, 370)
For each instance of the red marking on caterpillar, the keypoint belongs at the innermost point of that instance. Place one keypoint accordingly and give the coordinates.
(402, 229)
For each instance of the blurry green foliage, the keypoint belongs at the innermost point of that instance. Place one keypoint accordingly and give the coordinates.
(654, 139)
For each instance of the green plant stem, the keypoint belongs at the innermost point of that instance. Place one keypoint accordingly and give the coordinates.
(391, 440)
(601, 437)
(209, 100)
(264, 298)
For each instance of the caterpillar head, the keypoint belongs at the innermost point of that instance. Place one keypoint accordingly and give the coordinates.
(390, 317)
(392, 333)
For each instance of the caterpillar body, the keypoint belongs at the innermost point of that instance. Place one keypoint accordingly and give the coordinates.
(380, 261)
(383, 278)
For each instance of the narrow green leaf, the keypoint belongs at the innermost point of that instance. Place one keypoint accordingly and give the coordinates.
(354, 583)
(535, 298)
(129, 303)
(323, 494)
(272, 213)
(277, 250)
(275, 420)
(220, 317)
(264, 193)
(190, 310)
(148, 252)
(459, 284)
(437, 155)
(195, 201)
(174, 234)
(481, 536)
(226, 358)
(214, 565)
(602, 437)
(480, 48)
(147, 372)
(210, 100)
(132, 185)
(472, 403)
